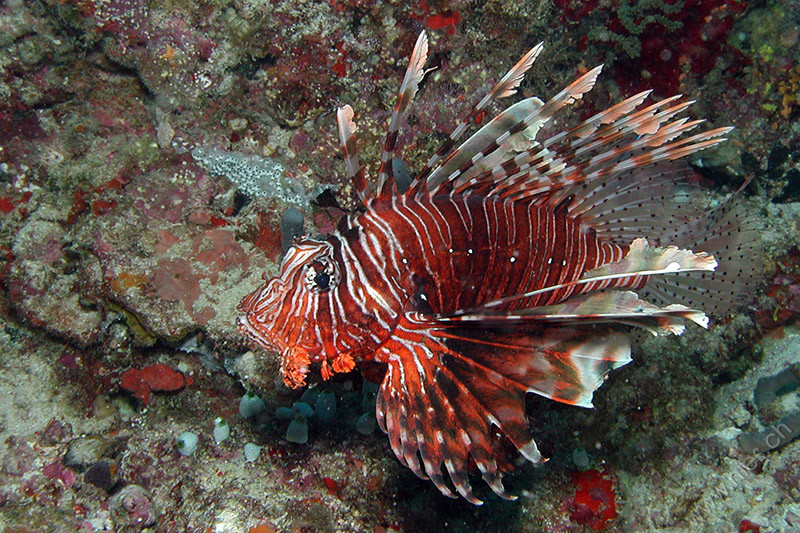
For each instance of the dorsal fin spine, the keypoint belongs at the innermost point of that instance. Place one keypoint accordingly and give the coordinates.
(507, 86)
(347, 138)
(538, 116)
(408, 88)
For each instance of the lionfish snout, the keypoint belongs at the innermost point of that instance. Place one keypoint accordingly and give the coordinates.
(295, 359)
(261, 309)
(264, 299)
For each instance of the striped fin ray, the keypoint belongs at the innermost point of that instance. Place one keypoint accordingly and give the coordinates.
(655, 201)
(503, 138)
(507, 86)
(425, 416)
(564, 364)
(641, 122)
(624, 307)
(611, 164)
(408, 88)
(619, 140)
(585, 129)
(448, 387)
(482, 142)
(540, 169)
(612, 306)
(629, 143)
(561, 163)
(511, 173)
(347, 137)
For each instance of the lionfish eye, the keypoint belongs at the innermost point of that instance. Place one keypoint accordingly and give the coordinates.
(322, 280)
(320, 275)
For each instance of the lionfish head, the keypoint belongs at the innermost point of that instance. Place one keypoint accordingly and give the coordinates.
(289, 312)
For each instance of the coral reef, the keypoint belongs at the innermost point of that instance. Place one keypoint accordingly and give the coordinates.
(124, 252)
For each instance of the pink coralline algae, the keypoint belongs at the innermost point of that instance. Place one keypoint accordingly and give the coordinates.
(133, 509)
(174, 280)
(325, 219)
(168, 53)
(57, 471)
(191, 190)
(218, 250)
(44, 288)
(177, 279)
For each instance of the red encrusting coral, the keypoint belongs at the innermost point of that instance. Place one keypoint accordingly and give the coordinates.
(340, 67)
(594, 504)
(672, 40)
(443, 20)
(6, 205)
(263, 527)
(268, 239)
(447, 19)
(333, 487)
(746, 526)
(158, 377)
(103, 207)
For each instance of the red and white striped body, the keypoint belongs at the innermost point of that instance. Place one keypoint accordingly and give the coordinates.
(440, 254)
(465, 251)
(508, 267)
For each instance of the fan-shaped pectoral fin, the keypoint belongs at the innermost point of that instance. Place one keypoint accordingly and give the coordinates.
(448, 387)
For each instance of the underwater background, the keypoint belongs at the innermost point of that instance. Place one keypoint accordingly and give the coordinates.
(148, 153)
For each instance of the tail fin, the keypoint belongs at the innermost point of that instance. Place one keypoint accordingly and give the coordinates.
(660, 204)
(732, 237)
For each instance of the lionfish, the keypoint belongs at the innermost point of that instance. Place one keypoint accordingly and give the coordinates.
(510, 265)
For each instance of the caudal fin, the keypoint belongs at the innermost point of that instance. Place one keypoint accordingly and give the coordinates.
(731, 235)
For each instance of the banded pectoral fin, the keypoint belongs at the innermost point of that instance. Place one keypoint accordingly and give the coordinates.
(449, 386)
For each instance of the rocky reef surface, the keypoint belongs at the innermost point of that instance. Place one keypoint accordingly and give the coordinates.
(147, 153)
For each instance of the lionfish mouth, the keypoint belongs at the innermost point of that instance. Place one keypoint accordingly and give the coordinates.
(294, 366)
(295, 360)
